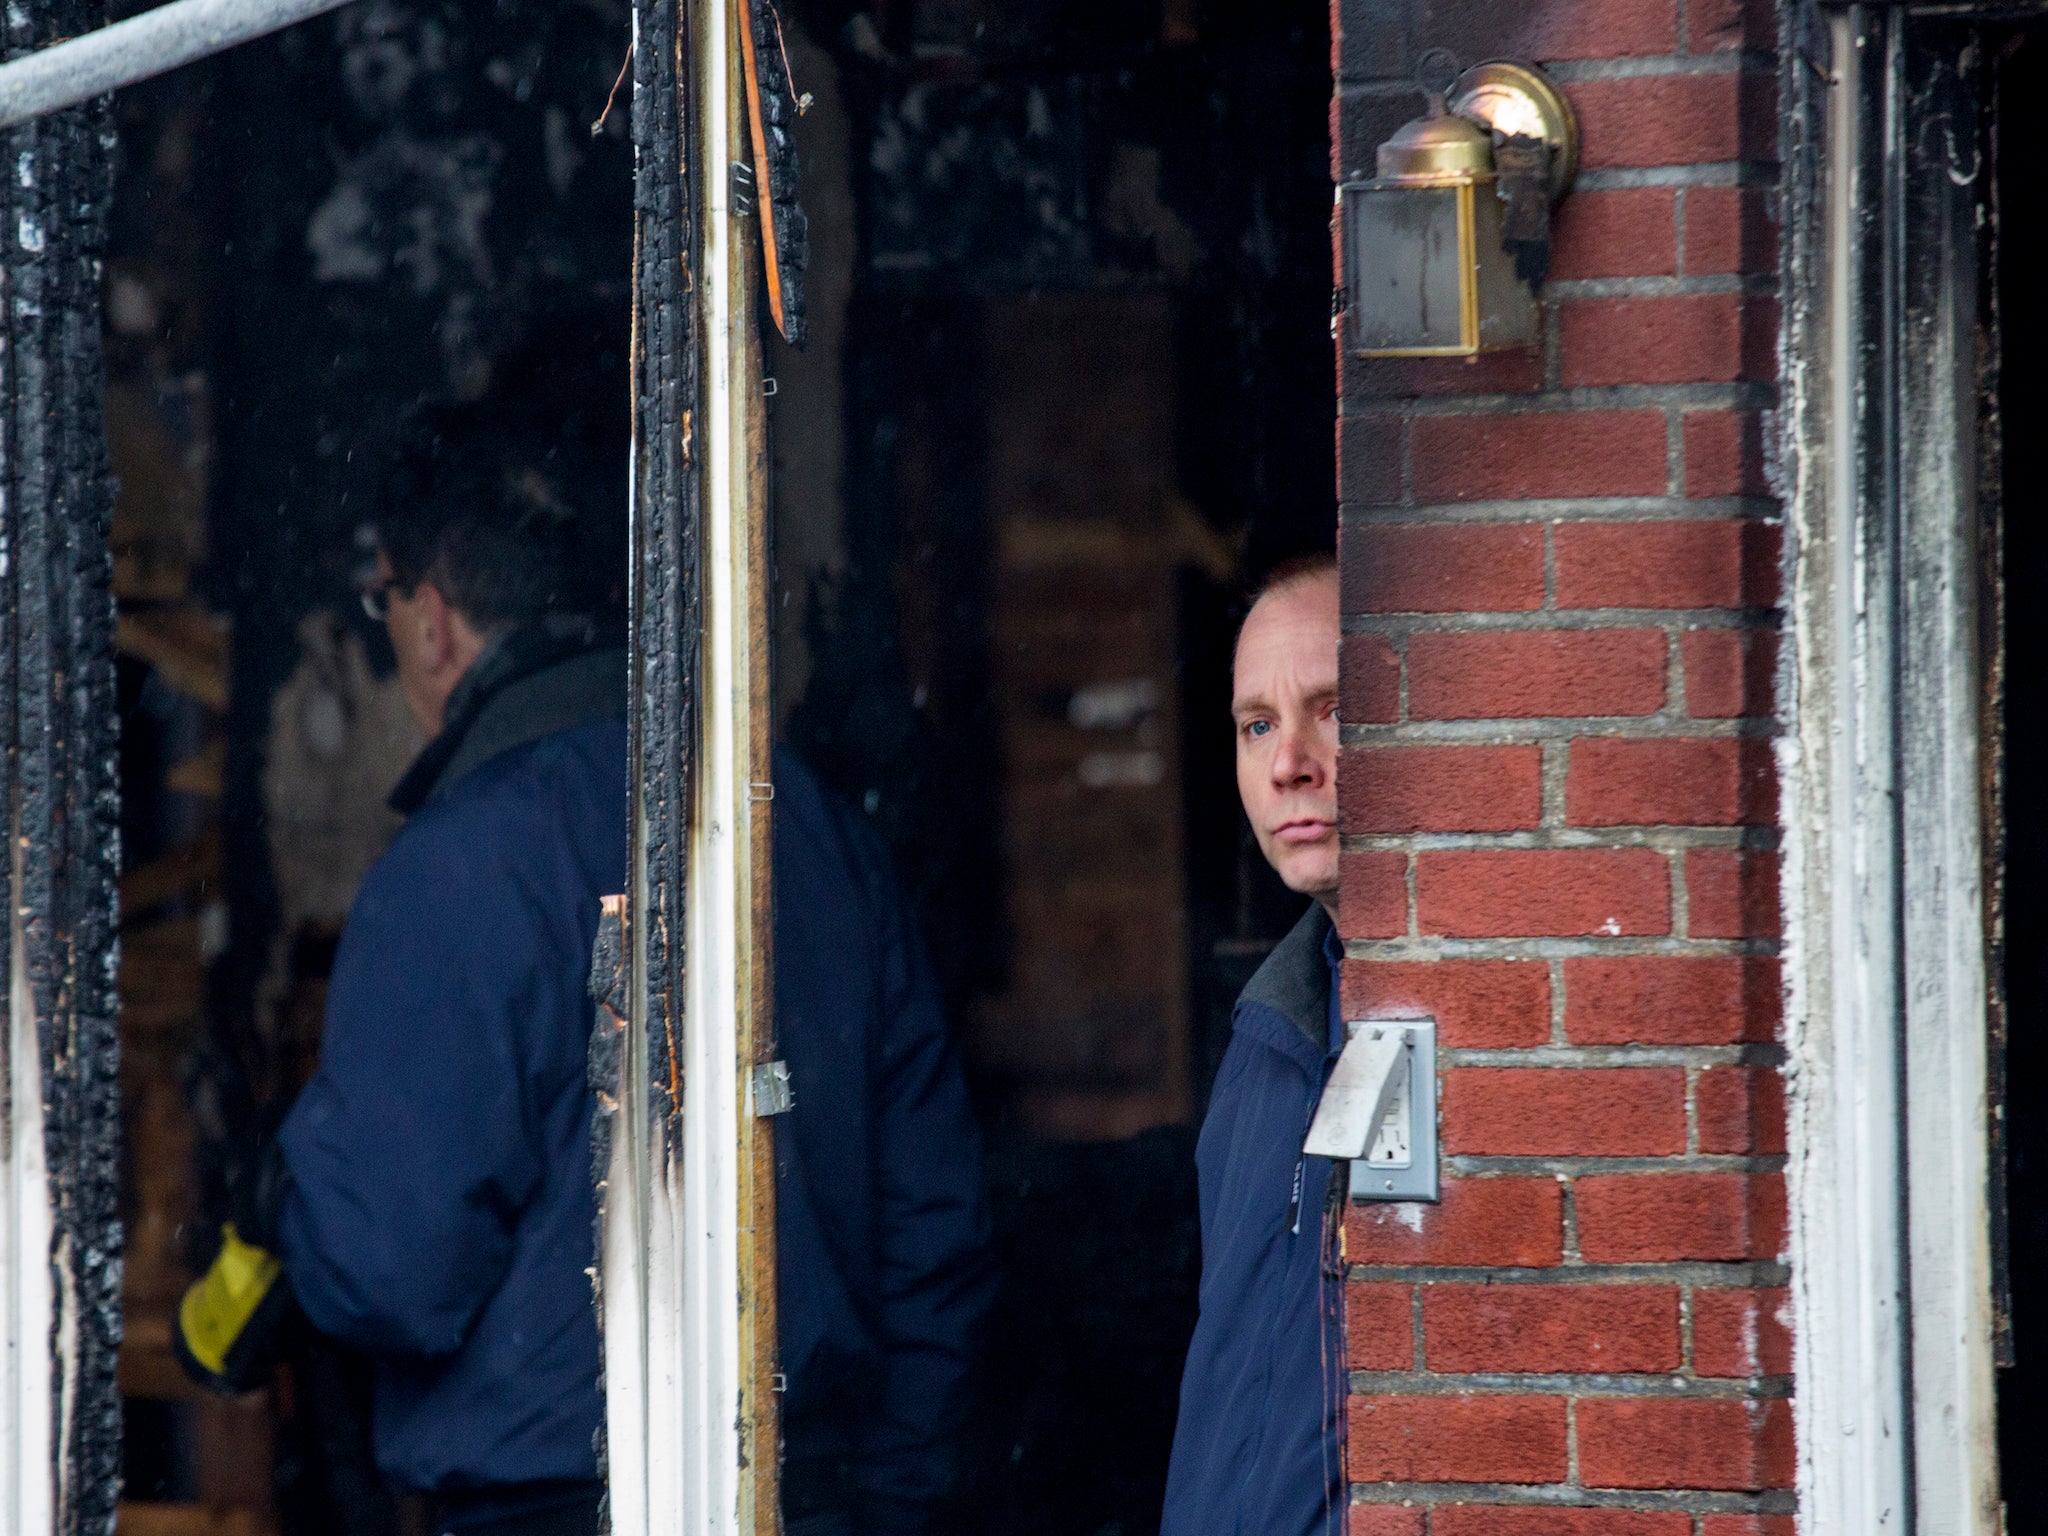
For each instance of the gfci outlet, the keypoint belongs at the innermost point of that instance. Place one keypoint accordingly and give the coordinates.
(1379, 1110)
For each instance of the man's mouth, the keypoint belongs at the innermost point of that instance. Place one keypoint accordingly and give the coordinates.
(1303, 829)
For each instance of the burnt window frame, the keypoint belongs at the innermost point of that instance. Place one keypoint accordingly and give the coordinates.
(60, 1244)
(686, 1265)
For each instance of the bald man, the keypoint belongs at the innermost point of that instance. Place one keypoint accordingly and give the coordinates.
(1258, 1450)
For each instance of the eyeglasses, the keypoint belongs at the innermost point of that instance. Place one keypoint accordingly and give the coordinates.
(377, 600)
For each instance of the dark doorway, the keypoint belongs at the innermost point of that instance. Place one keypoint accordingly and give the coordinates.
(1067, 390)
(2019, 60)
(310, 237)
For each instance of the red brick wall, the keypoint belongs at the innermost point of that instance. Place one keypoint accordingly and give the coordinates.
(1561, 572)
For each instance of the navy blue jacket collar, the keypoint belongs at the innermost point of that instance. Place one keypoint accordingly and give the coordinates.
(1286, 1004)
(550, 676)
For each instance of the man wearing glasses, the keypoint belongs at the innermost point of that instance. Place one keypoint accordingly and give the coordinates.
(431, 1201)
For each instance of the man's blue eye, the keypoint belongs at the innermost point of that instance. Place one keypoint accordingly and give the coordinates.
(1258, 727)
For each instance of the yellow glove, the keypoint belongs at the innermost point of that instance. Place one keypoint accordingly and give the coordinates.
(231, 1316)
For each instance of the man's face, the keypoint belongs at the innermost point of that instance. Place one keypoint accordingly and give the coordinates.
(1284, 704)
(408, 642)
(433, 643)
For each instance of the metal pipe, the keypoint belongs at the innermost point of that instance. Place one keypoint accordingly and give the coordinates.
(66, 73)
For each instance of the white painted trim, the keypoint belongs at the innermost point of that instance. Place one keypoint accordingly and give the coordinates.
(28, 1464)
(1938, 708)
(1955, 1461)
(1884, 944)
(677, 1361)
(1847, 1280)
(716, 1495)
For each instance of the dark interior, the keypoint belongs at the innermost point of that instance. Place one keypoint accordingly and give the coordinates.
(2020, 1243)
(1067, 389)
(309, 235)
(1070, 426)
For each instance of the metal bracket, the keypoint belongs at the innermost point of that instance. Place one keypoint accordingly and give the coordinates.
(769, 1091)
(1519, 101)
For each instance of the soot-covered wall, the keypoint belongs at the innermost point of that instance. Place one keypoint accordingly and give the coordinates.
(384, 206)
(313, 235)
(395, 206)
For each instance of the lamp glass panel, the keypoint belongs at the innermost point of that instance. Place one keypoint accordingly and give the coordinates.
(1403, 268)
(1507, 309)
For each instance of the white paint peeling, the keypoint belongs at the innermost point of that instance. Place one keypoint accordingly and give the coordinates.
(28, 1495)
(1842, 1175)
(338, 236)
(1883, 950)
(64, 1363)
(445, 188)
(29, 234)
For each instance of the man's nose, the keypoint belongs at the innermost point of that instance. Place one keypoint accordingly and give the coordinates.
(1296, 762)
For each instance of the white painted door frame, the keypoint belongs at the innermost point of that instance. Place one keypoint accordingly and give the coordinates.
(1883, 897)
(687, 1240)
(28, 1461)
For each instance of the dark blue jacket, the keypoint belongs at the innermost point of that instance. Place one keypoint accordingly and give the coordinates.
(881, 1209)
(1258, 1450)
(441, 1213)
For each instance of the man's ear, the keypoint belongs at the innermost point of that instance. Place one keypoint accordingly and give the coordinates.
(437, 636)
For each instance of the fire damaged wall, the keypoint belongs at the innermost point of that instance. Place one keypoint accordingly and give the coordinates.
(59, 759)
(425, 198)
(310, 237)
(402, 202)
(313, 236)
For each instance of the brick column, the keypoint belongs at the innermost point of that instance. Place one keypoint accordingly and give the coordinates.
(1561, 571)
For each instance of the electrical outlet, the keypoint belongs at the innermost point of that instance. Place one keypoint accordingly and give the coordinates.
(1400, 1160)
(1389, 1145)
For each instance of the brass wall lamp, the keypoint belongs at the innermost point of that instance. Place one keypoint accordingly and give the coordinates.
(1445, 248)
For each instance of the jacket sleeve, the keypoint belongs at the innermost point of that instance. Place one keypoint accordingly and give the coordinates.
(935, 1268)
(413, 1148)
